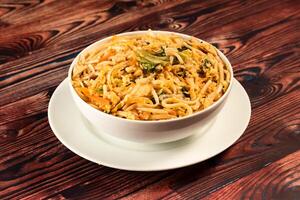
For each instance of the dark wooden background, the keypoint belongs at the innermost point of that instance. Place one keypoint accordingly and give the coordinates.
(39, 39)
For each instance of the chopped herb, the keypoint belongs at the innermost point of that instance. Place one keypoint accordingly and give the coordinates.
(182, 48)
(148, 67)
(148, 61)
(100, 90)
(148, 57)
(204, 67)
(206, 63)
(175, 61)
(160, 53)
(185, 92)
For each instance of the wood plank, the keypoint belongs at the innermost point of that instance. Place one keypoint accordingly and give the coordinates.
(40, 39)
(279, 180)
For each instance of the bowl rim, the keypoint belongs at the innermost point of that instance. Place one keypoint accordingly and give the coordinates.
(209, 108)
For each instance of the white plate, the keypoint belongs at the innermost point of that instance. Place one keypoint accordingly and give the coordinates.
(73, 131)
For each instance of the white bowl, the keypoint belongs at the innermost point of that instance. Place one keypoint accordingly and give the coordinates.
(147, 131)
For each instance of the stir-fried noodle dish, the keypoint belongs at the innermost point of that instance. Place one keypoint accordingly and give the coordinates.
(151, 76)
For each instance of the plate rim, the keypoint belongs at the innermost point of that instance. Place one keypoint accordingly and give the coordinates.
(77, 151)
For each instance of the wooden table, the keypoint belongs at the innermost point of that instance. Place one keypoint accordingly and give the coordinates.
(38, 41)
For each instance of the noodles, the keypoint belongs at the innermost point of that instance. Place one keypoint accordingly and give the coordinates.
(151, 76)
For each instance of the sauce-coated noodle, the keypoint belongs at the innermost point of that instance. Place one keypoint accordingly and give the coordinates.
(151, 76)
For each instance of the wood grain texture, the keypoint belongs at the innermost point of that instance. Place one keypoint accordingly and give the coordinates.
(39, 39)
